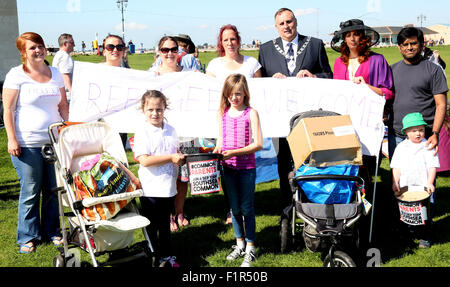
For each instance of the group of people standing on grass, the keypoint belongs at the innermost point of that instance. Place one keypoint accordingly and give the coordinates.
(34, 96)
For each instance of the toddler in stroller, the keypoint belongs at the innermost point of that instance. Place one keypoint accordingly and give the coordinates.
(96, 185)
(329, 202)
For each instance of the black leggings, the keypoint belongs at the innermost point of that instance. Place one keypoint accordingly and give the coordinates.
(157, 210)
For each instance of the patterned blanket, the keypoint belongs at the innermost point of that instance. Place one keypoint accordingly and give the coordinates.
(104, 176)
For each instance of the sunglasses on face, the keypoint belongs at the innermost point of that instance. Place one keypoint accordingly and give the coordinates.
(110, 47)
(166, 50)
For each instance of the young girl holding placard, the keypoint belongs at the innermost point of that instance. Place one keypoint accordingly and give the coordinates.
(156, 149)
(239, 138)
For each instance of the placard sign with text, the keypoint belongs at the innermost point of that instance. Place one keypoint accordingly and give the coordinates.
(204, 176)
(113, 93)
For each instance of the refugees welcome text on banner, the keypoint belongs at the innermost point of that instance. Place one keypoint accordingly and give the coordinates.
(113, 93)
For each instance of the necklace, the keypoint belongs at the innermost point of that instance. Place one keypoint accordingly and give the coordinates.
(277, 47)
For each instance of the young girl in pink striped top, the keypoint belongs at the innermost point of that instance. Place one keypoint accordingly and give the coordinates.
(239, 138)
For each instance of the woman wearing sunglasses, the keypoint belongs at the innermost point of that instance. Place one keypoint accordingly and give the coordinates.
(114, 51)
(168, 52)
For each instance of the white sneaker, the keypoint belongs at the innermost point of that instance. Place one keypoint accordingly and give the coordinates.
(249, 257)
(236, 253)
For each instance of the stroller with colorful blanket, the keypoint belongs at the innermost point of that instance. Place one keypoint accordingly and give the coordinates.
(95, 184)
(327, 198)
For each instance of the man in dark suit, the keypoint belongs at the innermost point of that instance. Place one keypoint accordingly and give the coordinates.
(291, 55)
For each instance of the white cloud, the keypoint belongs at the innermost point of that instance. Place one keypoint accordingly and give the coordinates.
(132, 26)
(264, 27)
(307, 11)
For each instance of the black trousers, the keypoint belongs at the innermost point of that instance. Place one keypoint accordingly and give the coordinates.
(157, 210)
(285, 166)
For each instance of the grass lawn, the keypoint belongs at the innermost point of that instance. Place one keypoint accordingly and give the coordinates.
(206, 242)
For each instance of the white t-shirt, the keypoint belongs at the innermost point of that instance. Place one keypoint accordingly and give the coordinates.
(37, 105)
(248, 68)
(413, 160)
(63, 62)
(157, 181)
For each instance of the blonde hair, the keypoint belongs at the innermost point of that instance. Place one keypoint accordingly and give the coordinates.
(232, 83)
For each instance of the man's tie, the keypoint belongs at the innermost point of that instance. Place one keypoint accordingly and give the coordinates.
(290, 59)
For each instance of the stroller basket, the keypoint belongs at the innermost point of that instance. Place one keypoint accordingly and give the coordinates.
(330, 218)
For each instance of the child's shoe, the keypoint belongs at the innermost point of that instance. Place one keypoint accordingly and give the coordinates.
(424, 243)
(249, 257)
(169, 262)
(236, 253)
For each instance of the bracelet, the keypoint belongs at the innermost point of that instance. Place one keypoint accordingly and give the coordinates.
(437, 136)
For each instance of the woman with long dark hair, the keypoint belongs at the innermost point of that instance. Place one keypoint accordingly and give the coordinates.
(357, 62)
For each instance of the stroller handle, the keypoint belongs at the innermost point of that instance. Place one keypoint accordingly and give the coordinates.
(329, 176)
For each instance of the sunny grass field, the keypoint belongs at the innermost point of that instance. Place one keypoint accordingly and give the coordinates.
(206, 242)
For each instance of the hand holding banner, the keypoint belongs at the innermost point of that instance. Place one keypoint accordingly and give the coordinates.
(112, 93)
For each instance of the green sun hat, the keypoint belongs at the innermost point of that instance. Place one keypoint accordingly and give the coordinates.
(412, 120)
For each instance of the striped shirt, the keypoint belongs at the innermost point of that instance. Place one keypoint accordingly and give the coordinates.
(237, 133)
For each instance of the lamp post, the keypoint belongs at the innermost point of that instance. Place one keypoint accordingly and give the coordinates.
(421, 18)
(120, 4)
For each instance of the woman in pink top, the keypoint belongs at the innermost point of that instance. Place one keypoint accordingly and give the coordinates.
(357, 63)
(362, 66)
(239, 138)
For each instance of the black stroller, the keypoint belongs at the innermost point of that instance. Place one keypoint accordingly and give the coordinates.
(328, 228)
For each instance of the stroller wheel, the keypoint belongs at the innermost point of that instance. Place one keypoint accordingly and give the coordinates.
(58, 261)
(285, 235)
(340, 259)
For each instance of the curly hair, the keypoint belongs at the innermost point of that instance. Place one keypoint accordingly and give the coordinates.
(363, 49)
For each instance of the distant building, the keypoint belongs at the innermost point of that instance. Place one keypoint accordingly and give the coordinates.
(388, 34)
(443, 33)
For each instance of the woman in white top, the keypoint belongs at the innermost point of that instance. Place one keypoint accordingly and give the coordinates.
(114, 52)
(230, 60)
(168, 52)
(34, 97)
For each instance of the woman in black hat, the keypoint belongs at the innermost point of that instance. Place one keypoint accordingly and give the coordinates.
(362, 66)
(357, 63)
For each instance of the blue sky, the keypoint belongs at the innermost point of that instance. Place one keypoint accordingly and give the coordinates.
(147, 21)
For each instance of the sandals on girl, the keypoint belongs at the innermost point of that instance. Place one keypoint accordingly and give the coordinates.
(228, 220)
(182, 221)
(173, 224)
(57, 241)
(27, 248)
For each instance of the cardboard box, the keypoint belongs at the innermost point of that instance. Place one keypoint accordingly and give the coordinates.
(325, 141)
